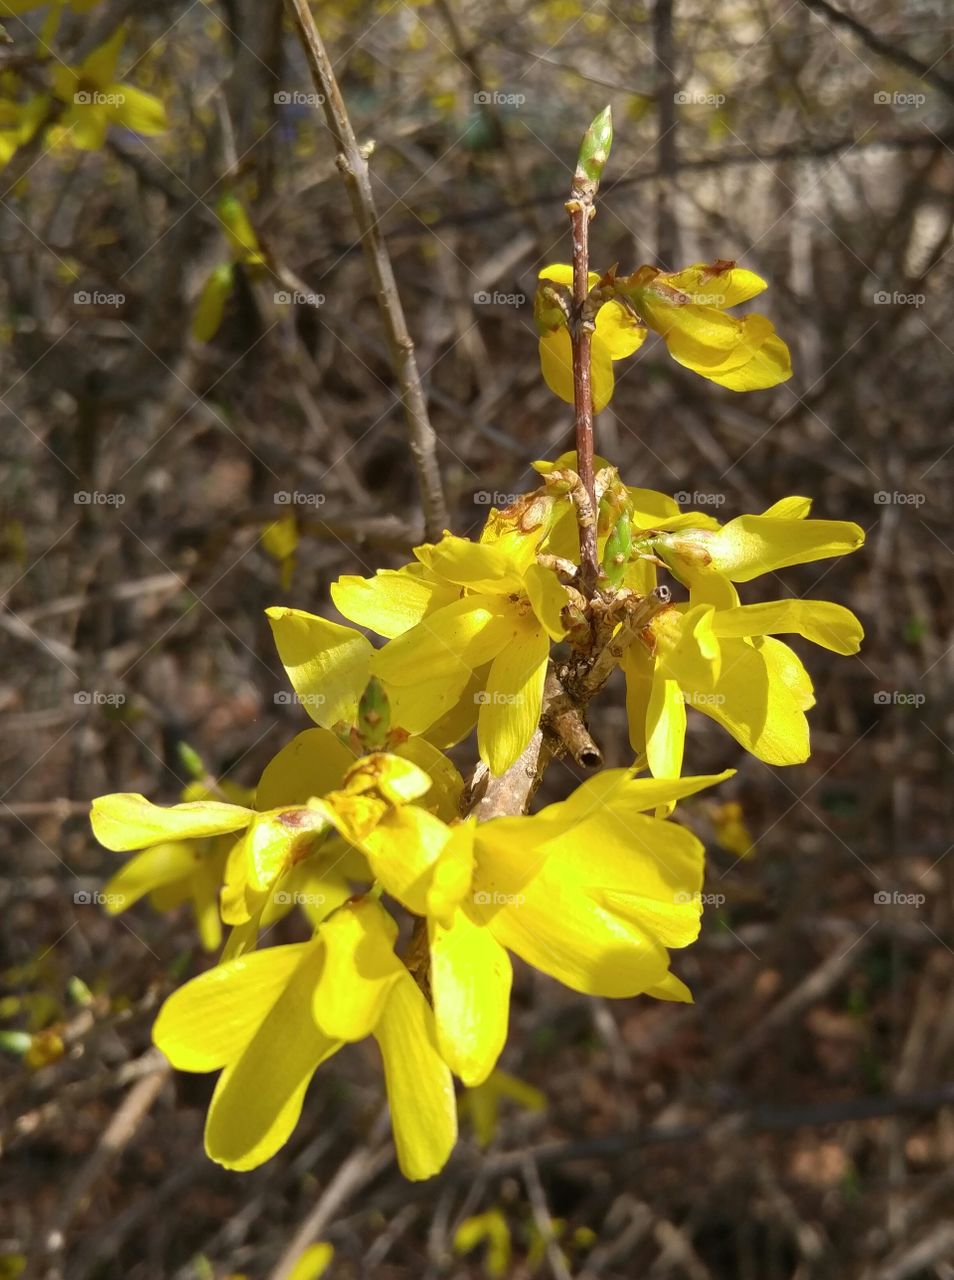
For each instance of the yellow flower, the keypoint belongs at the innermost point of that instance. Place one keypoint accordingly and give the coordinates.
(589, 891)
(688, 309)
(269, 1019)
(471, 633)
(617, 334)
(95, 100)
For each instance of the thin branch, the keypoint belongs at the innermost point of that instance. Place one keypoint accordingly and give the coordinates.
(353, 164)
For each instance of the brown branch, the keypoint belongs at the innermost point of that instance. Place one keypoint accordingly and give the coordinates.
(353, 165)
(581, 333)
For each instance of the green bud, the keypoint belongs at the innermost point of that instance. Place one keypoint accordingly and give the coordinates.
(617, 551)
(374, 716)
(595, 150)
(191, 761)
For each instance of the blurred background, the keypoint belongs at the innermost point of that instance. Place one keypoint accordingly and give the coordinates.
(797, 1122)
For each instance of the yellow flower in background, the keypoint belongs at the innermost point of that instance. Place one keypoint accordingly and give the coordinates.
(482, 1102)
(688, 309)
(617, 334)
(482, 617)
(95, 99)
(269, 1019)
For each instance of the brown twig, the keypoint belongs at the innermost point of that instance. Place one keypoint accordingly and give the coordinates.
(353, 165)
(581, 333)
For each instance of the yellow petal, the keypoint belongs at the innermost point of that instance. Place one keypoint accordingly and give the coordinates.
(513, 699)
(403, 850)
(139, 111)
(722, 289)
(99, 66)
(712, 343)
(562, 273)
(665, 729)
(312, 764)
(548, 597)
(556, 363)
(359, 971)
(209, 1021)
(751, 545)
(759, 709)
(443, 797)
(327, 664)
(146, 871)
(638, 667)
(480, 566)
(830, 625)
(471, 977)
(671, 988)
(767, 367)
(791, 508)
(259, 1096)
(391, 602)
(312, 1262)
(419, 1083)
(449, 643)
(125, 820)
(453, 873)
(686, 647)
(210, 306)
(618, 331)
